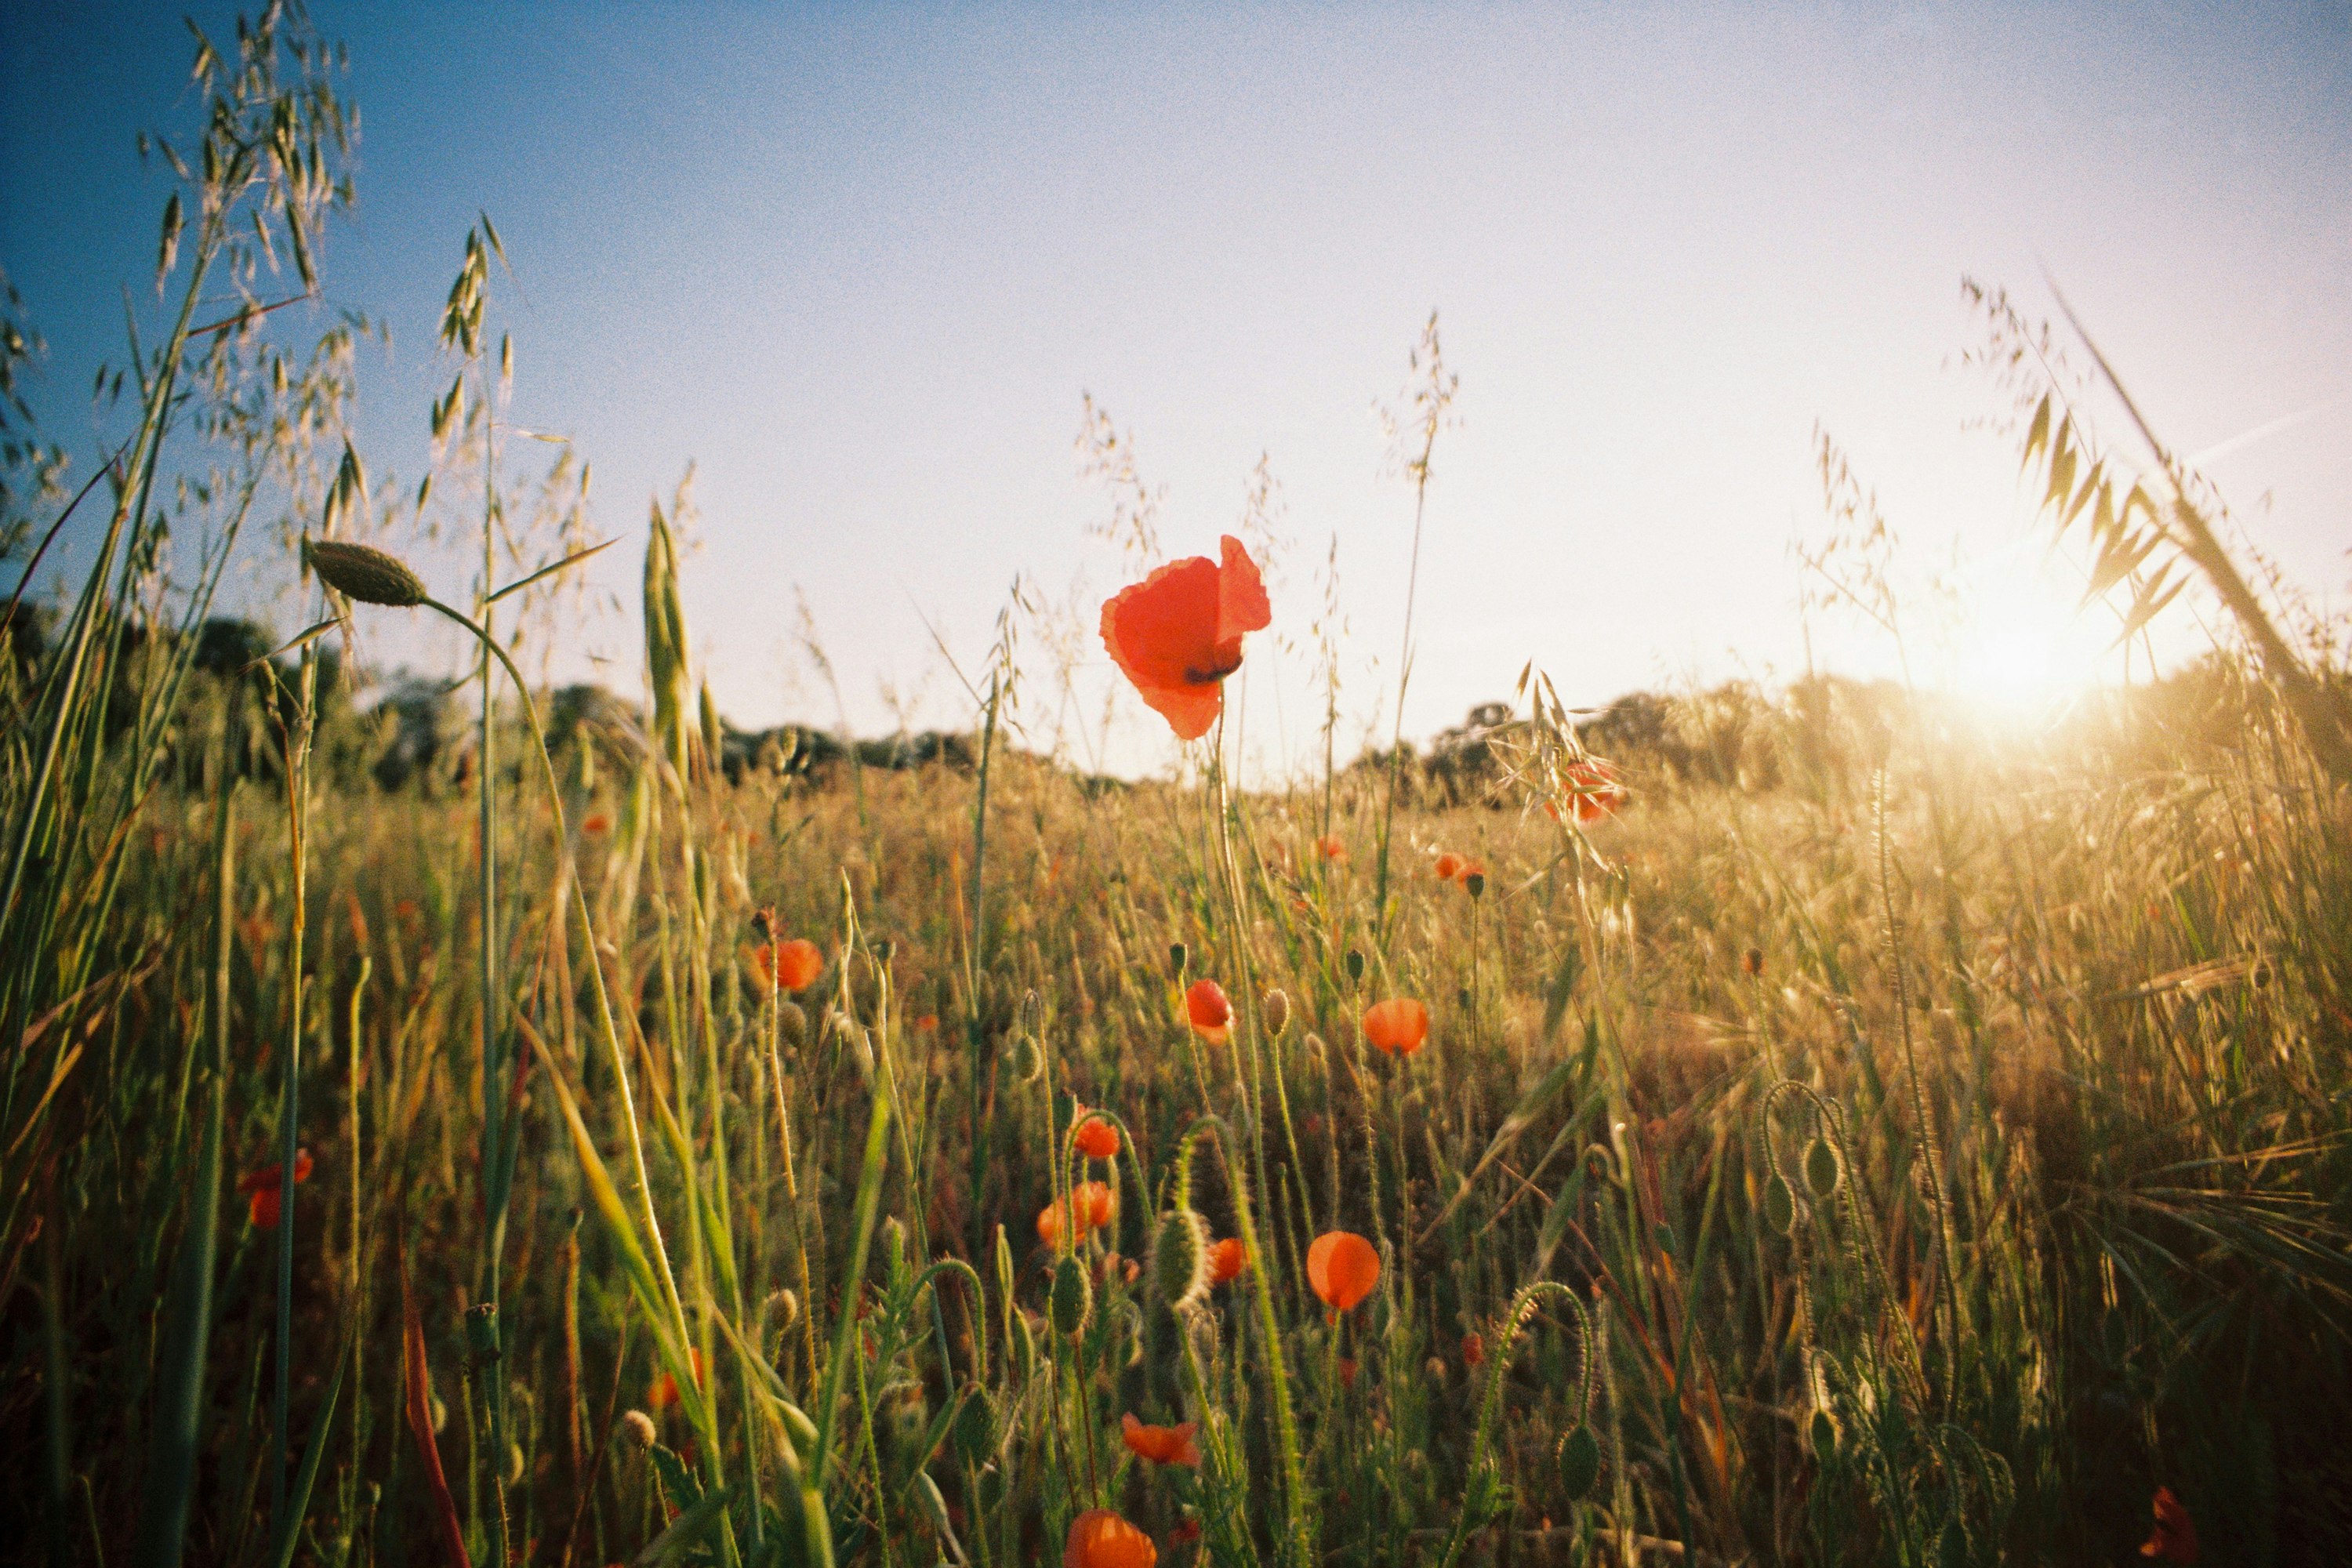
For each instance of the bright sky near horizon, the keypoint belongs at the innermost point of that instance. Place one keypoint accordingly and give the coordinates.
(859, 264)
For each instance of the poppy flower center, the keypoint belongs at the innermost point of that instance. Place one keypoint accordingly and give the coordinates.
(1221, 665)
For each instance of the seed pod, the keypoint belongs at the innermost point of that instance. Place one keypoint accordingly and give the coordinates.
(1579, 1462)
(791, 1022)
(1355, 963)
(1752, 960)
(1477, 883)
(1821, 1169)
(1178, 957)
(1275, 1008)
(363, 573)
(1073, 1299)
(1779, 1205)
(1180, 1258)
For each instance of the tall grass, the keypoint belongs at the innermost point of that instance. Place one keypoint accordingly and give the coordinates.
(1894, 1141)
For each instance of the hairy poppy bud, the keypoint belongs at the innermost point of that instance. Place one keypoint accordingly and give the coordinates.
(363, 573)
(1752, 960)
(1023, 1059)
(1823, 1432)
(638, 1427)
(1275, 1008)
(1820, 1168)
(791, 1022)
(1579, 1462)
(783, 1309)
(1178, 957)
(976, 1427)
(1477, 883)
(1180, 1258)
(1073, 1297)
(1779, 1205)
(1355, 963)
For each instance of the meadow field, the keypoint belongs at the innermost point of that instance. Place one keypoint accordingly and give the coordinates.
(1818, 1124)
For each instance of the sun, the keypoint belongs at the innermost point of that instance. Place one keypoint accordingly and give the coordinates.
(2019, 647)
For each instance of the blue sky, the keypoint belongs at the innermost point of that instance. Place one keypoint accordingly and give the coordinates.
(859, 265)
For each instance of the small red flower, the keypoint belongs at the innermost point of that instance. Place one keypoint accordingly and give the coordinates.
(664, 1392)
(264, 1189)
(1399, 1025)
(1474, 1350)
(1161, 1445)
(2175, 1536)
(1185, 1532)
(1097, 1206)
(1331, 847)
(793, 965)
(1098, 1139)
(1206, 1009)
(1589, 788)
(1226, 1260)
(595, 825)
(1101, 1538)
(1449, 867)
(1342, 1267)
(1177, 634)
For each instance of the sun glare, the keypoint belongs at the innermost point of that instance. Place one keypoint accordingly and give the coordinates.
(2021, 649)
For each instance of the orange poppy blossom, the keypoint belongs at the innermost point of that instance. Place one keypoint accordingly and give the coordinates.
(1177, 634)
(1591, 789)
(2174, 1539)
(1207, 1011)
(793, 965)
(1161, 1445)
(263, 1189)
(1097, 1206)
(1342, 1267)
(1399, 1025)
(1331, 847)
(664, 1392)
(1098, 1139)
(595, 825)
(1227, 1258)
(1449, 867)
(1101, 1538)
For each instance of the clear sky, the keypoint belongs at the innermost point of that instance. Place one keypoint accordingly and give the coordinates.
(860, 264)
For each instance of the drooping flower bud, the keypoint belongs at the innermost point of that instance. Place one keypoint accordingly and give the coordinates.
(1180, 1258)
(1073, 1297)
(361, 572)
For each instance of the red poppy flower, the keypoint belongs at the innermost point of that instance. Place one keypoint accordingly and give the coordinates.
(928, 1024)
(664, 1392)
(1346, 1372)
(1591, 789)
(1399, 1025)
(2175, 1536)
(595, 825)
(1343, 1268)
(1177, 634)
(793, 965)
(1449, 867)
(1101, 1538)
(1185, 1532)
(1207, 1010)
(264, 1189)
(1161, 1445)
(1474, 1350)
(1331, 847)
(1226, 1260)
(1098, 1140)
(1097, 1206)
